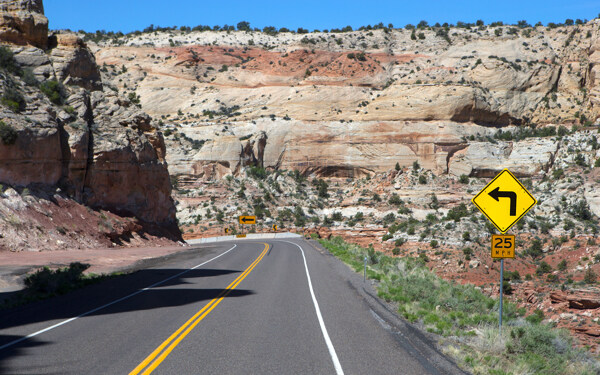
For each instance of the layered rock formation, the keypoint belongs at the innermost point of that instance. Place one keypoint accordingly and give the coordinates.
(99, 147)
(351, 104)
(23, 22)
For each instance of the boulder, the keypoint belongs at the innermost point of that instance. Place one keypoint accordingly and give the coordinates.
(577, 299)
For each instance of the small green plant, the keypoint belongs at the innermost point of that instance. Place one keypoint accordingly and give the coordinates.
(395, 199)
(463, 179)
(422, 179)
(54, 91)
(536, 317)
(13, 99)
(590, 276)
(7, 61)
(543, 268)
(8, 134)
(562, 266)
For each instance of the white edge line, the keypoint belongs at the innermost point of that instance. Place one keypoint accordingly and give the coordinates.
(109, 304)
(332, 353)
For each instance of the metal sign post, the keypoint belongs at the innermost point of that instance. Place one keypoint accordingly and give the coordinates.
(503, 246)
(504, 213)
(501, 286)
(365, 271)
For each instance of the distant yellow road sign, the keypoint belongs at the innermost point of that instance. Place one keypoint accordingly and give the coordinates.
(247, 219)
(503, 246)
(504, 201)
(226, 230)
(275, 227)
(240, 235)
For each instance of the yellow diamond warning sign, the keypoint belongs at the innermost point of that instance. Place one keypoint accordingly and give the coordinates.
(504, 201)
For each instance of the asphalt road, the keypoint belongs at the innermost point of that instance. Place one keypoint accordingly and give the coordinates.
(246, 307)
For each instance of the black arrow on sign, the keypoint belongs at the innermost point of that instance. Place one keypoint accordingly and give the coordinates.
(497, 194)
(246, 219)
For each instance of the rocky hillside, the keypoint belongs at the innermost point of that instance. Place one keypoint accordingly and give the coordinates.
(69, 140)
(355, 103)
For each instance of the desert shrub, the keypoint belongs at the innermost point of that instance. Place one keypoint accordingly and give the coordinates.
(590, 276)
(29, 78)
(8, 134)
(458, 212)
(54, 91)
(13, 99)
(535, 249)
(256, 172)
(464, 179)
(59, 281)
(562, 266)
(395, 199)
(543, 268)
(467, 251)
(322, 187)
(7, 61)
(581, 211)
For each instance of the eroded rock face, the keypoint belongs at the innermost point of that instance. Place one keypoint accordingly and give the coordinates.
(23, 22)
(98, 147)
(74, 64)
(357, 103)
(524, 158)
(327, 149)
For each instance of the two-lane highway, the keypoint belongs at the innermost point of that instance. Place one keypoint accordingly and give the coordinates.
(273, 307)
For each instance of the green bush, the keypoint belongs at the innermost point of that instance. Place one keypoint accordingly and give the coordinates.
(395, 200)
(29, 78)
(54, 91)
(590, 276)
(463, 179)
(7, 61)
(257, 172)
(535, 249)
(8, 134)
(457, 213)
(562, 266)
(543, 268)
(422, 179)
(59, 281)
(13, 99)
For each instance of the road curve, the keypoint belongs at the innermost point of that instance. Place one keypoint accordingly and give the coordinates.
(245, 307)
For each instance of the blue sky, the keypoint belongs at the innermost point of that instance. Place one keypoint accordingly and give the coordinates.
(130, 15)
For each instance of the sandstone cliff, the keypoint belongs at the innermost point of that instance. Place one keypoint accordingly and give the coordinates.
(71, 131)
(355, 103)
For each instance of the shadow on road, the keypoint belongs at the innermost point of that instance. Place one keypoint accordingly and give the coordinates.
(93, 296)
(17, 351)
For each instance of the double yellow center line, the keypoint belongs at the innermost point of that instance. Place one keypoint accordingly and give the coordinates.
(159, 354)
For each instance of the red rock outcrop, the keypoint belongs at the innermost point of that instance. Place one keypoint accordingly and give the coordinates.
(577, 299)
(23, 22)
(98, 147)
